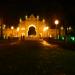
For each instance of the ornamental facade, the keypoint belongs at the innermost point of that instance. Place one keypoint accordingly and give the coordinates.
(31, 26)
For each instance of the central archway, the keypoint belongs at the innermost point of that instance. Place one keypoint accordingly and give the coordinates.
(32, 31)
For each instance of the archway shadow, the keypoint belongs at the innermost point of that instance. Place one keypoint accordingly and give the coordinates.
(31, 31)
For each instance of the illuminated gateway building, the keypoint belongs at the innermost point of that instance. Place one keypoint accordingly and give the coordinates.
(31, 26)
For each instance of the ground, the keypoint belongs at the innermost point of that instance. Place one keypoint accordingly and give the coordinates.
(35, 57)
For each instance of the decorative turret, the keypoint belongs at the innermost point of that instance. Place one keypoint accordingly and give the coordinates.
(20, 20)
(37, 17)
(43, 20)
(32, 16)
(26, 17)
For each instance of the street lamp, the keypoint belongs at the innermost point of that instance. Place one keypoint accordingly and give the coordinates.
(56, 23)
(70, 28)
(61, 30)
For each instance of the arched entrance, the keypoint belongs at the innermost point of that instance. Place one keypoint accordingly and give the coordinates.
(31, 31)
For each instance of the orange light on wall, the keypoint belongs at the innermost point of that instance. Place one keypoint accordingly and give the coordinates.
(18, 29)
(4, 26)
(12, 30)
(22, 28)
(12, 27)
(45, 28)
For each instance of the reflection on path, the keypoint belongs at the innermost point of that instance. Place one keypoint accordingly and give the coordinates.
(45, 43)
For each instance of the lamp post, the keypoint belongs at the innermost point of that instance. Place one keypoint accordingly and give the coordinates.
(62, 30)
(56, 23)
(70, 28)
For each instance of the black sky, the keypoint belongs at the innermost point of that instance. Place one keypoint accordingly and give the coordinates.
(12, 10)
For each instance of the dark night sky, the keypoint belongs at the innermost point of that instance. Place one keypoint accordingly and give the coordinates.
(12, 10)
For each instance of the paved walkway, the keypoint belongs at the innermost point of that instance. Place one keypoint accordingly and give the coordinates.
(32, 57)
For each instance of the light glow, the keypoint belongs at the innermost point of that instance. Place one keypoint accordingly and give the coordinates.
(22, 28)
(70, 28)
(73, 38)
(26, 17)
(20, 20)
(45, 28)
(43, 20)
(37, 17)
(56, 22)
(63, 38)
(31, 26)
(12, 27)
(4, 26)
(18, 29)
(50, 35)
(45, 43)
(62, 28)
